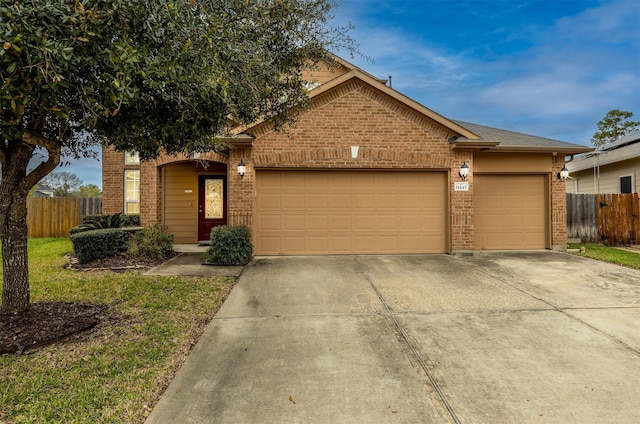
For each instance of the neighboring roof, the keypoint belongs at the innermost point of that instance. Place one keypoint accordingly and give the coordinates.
(625, 148)
(504, 140)
(633, 137)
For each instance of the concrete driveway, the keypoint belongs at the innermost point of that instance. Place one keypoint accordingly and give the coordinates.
(538, 337)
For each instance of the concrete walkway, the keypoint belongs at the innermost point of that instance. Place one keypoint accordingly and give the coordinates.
(190, 263)
(538, 337)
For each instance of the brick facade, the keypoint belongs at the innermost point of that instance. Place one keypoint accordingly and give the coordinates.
(389, 133)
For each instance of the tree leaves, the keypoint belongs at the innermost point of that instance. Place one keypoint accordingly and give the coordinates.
(154, 76)
(614, 126)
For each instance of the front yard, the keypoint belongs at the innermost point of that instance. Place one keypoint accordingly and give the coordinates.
(615, 255)
(117, 371)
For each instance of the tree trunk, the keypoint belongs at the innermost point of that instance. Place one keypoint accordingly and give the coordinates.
(15, 263)
(14, 188)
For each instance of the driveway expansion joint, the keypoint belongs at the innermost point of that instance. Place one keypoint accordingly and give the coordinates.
(405, 337)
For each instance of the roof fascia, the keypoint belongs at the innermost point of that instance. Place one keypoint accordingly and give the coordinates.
(543, 149)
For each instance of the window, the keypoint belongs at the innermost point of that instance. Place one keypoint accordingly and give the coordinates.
(131, 191)
(625, 184)
(131, 158)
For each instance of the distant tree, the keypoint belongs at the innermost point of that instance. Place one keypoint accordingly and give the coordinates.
(63, 184)
(614, 126)
(151, 76)
(89, 190)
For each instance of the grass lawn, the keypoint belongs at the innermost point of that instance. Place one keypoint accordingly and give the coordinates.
(116, 373)
(609, 254)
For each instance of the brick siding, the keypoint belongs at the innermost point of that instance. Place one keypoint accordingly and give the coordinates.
(390, 135)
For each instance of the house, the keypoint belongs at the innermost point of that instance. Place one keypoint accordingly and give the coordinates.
(611, 168)
(365, 170)
(43, 191)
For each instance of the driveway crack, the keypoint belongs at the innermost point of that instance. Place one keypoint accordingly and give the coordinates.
(407, 341)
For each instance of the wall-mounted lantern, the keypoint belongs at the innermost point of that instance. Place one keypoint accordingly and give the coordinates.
(242, 169)
(464, 170)
(563, 174)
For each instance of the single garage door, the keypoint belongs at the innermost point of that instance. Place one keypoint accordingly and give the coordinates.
(510, 212)
(350, 212)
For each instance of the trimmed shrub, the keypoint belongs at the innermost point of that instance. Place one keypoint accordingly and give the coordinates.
(229, 246)
(151, 242)
(130, 220)
(98, 244)
(80, 228)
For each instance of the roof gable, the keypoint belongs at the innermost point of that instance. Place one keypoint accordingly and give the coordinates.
(466, 135)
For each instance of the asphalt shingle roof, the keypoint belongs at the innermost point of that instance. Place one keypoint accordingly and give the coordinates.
(517, 140)
(627, 139)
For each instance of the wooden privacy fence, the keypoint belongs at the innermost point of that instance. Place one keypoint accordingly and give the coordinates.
(54, 216)
(607, 218)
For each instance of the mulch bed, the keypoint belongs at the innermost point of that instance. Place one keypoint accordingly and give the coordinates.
(46, 323)
(118, 262)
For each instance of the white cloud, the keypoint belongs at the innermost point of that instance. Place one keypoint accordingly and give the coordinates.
(560, 83)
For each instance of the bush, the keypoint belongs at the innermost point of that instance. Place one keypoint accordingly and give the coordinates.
(130, 220)
(104, 221)
(96, 222)
(151, 242)
(80, 228)
(229, 246)
(98, 244)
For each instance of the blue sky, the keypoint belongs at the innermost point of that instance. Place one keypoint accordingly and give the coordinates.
(548, 68)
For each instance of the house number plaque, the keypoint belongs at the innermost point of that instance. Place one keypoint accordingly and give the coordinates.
(463, 186)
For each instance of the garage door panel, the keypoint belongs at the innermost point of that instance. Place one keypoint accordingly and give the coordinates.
(363, 201)
(351, 212)
(510, 212)
(291, 222)
(386, 222)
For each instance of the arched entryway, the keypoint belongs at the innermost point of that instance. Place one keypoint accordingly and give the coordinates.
(194, 199)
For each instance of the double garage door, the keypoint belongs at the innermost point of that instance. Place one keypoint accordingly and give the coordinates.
(367, 212)
(350, 212)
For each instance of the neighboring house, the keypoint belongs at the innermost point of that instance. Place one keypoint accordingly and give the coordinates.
(365, 170)
(43, 191)
(611, 168)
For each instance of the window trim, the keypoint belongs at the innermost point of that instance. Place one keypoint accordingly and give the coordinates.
(630, 176)
(128, 201)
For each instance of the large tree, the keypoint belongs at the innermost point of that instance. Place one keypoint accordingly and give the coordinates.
(63, 184)
(147, 75)
(89, 190)
(614, 126)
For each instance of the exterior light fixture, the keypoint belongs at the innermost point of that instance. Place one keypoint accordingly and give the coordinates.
(563, 174)
(242, 169)
(464, 170)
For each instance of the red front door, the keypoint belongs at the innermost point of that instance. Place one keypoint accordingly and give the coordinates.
(212, 205)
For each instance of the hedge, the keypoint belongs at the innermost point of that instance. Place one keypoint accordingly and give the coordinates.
(98, 244)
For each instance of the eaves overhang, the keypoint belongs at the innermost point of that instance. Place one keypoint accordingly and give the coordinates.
(239, 140)
(533, 149)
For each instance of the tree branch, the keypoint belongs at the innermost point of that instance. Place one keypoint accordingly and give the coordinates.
(53, 151)
(3, 154)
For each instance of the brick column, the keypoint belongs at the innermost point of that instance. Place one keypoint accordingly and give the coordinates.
(558, 207)
(112, 181)
(461, 206)
(241, 190)
(149, 193)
